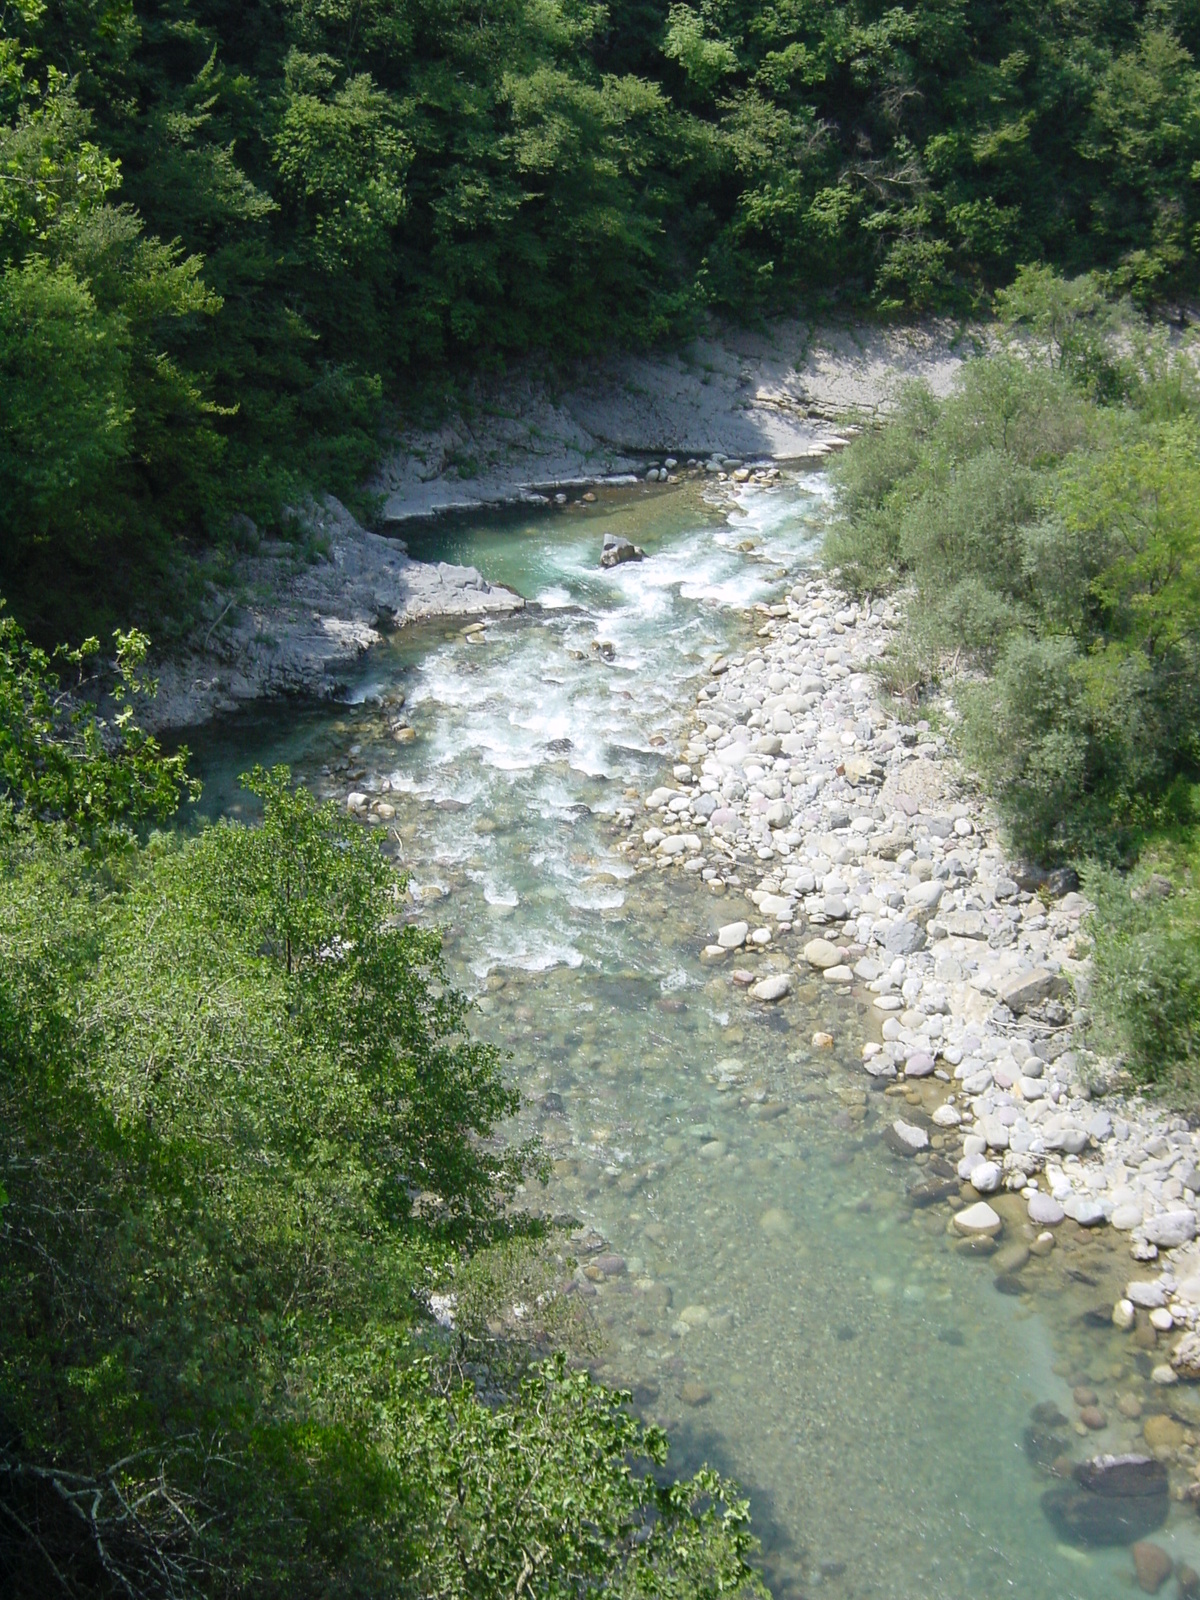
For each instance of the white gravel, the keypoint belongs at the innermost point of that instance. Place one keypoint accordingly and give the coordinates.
(853, 838)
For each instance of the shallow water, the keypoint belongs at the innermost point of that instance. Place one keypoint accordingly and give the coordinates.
(864, 1381)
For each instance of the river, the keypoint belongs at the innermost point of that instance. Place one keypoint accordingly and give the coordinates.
(782, 1311)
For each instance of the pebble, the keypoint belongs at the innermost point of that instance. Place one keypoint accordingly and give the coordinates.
(1045, 1211)
(986, 1177)
(908, 1137)
(1152, 1566)
(822, 954)
(1185, 1362)
(978, 1219)
(774, 987)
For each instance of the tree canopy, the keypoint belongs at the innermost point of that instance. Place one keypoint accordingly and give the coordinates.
(232, 236)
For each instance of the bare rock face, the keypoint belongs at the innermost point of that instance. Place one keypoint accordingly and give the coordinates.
(314, 619)
(777, 392)
(1113, 1500)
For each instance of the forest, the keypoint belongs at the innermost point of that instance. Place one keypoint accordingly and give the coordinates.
(236, 239)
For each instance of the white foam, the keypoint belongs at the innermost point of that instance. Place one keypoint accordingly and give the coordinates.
(532, 957)
(597, 899)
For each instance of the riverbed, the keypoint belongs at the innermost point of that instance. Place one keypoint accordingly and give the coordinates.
(777, 1305)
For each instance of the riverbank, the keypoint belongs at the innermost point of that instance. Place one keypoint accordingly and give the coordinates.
(296, 619)
(780, 393)
(293, 619)
(852, 857)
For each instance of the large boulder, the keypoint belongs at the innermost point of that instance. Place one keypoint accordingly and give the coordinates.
(617, 550)
(1113, 1500)
(1024, 990)
(1170, 1229)
(902, 937)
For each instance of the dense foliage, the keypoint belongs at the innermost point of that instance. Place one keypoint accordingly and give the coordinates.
(1045, 519)
(243, 1132)
(230, 233)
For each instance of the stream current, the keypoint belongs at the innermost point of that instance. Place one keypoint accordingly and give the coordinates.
(782, 1311)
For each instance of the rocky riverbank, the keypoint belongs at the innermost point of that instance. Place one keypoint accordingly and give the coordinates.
(293, 618)
(780, 393)
(864, 864)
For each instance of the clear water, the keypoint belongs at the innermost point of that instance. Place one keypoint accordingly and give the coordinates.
(865, 1382)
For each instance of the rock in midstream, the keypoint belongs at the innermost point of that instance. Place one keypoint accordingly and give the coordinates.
(1113, 1500)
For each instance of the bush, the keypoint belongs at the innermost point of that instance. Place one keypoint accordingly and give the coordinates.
(1146, 962)
(1045, 522)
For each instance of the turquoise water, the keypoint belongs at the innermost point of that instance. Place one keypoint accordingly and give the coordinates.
(784, 1313)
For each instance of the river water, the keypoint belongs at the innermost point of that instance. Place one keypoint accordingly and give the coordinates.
(784, 1313)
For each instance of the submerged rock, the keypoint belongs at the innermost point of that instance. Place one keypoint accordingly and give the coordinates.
(1113, 1500)
(1152, 1566)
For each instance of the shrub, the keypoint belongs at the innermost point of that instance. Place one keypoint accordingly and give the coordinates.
(1146, 962)
(1045, 520)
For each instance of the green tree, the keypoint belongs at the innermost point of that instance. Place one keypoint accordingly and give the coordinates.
(243, 1131)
